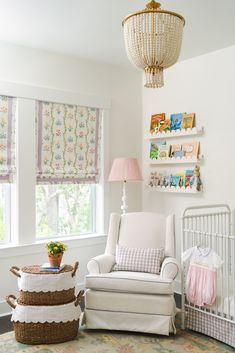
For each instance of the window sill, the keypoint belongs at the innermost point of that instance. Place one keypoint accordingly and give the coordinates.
(14, 250)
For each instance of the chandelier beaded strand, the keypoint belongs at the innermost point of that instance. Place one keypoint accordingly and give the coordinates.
(153, 40)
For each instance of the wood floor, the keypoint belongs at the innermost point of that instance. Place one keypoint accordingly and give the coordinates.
(5, 324)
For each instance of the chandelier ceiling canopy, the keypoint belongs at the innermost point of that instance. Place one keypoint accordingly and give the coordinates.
(153, 40)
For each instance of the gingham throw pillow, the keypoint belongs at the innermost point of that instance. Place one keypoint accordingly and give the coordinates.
(138, 259)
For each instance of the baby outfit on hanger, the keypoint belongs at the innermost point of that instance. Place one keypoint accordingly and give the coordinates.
(201, 278)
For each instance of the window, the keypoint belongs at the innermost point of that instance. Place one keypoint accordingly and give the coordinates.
(68, 139)
(5, 207)
(60, 196)
(65, 209)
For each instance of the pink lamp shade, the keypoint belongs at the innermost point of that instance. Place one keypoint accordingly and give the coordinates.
(124, 169)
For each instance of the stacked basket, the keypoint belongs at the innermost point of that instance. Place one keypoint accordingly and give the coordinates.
(47, 310)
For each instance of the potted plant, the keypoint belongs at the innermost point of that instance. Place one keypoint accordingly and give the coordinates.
(55, 250)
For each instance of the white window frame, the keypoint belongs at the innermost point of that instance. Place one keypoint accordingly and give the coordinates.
(23, 219)
(7, 238)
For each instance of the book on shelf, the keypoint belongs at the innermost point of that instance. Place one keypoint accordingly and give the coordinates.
(164, 151)
(176, 121)
(154, 149)
(188, 182)
(46, 267)
(176, 151)
(191, 149)
(174, 180)
(165, 126)
(188, 121)
(182, 178)
(156, 122)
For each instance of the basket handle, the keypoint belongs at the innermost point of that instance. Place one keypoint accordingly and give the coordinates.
(15, 270)
(10, 302)
(75, 268)
(79, 297)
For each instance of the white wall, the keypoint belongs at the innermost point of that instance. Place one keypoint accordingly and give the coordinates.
(123, 87)
(204, 85)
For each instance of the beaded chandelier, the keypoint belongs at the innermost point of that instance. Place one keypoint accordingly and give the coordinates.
(153, 40)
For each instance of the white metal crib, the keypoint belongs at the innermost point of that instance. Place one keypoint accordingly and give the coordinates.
(211, 226)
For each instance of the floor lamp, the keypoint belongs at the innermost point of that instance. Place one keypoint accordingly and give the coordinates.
(125, 169)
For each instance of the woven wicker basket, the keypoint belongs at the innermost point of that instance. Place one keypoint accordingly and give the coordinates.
(45, 332)
(49, 297)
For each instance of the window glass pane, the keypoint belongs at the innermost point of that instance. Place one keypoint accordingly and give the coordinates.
(4, 213)
(65, 209)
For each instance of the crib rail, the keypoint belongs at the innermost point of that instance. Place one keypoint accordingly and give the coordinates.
(211, 226)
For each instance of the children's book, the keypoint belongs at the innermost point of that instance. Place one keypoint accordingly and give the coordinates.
(188, 121)
(188, 178)
(176, 121)
(163, 151)
(166, 180)
(175, 180)
(46, 267)
(156, 122)
(191, 149)
(153, 150)
(176, 150)
(182, 178)
(179, 154)
(165, 126)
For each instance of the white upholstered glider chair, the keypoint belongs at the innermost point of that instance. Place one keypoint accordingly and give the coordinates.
(133, 301)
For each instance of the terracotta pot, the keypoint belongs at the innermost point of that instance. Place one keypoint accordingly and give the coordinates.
(55, 260)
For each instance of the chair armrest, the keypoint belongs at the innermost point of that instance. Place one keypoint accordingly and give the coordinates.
(101, 264)
(170, 268)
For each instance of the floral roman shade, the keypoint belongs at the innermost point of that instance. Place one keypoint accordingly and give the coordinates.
(7, 138)
(68, 143)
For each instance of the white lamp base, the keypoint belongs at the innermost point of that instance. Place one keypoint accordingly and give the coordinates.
(124, 206)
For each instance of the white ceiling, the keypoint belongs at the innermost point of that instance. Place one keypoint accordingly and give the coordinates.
(91, 29)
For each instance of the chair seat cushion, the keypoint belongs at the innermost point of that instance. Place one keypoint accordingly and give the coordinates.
(130, 302)
(132, 282)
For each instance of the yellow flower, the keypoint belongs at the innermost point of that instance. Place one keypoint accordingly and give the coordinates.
(55, 247)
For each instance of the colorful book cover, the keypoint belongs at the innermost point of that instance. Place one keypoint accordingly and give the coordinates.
(175, 180)
(156, 121)
(163, 151)
(165, 126)
(176, 121)
(191, 149)
(166, 180)
(189, 178)
(188, 121)
(46, 267)
(182, 178)
(153, 150)
(175, 150)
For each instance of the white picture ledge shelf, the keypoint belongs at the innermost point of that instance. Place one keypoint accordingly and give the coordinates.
(177, 189)
(176, 160)
(176, 133)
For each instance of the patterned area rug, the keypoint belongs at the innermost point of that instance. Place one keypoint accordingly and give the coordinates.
(89, 341)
